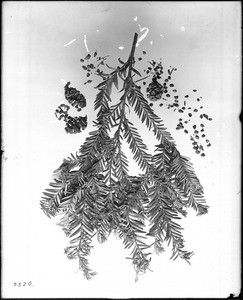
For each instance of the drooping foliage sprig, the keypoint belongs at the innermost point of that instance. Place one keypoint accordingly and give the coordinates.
(95, 194)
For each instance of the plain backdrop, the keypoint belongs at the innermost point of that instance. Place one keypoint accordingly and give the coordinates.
(42, 44)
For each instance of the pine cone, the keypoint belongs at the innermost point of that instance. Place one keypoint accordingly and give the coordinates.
(154, 90)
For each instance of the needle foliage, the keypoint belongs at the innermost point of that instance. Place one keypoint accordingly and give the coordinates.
(95, 194)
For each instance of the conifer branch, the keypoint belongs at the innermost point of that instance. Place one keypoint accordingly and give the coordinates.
(94, 191)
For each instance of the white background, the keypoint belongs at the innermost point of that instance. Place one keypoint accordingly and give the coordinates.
(201, 39)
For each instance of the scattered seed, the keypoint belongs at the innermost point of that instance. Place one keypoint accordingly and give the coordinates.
(87, 56)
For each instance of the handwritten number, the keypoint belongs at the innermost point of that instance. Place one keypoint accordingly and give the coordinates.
(24, 283)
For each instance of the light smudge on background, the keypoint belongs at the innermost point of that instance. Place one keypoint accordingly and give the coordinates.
(121, 47)
(64, 82)
(69, 43)
(143, 36)
(85, 43)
